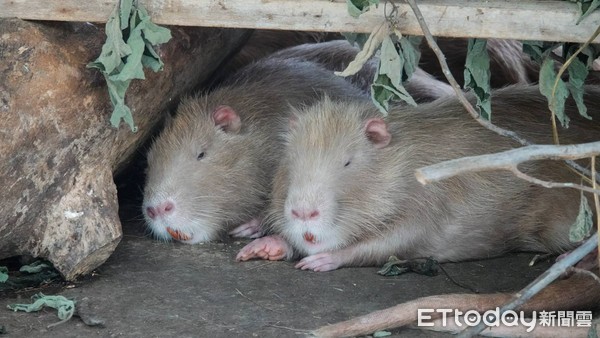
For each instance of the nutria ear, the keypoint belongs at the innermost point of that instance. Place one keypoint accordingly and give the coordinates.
(292, 121)
(226, 118)
(377, 133)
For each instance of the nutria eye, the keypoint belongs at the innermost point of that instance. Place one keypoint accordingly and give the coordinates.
(200, 156)
(347, 164)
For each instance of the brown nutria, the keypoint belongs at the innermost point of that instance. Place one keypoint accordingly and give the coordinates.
(345, 193)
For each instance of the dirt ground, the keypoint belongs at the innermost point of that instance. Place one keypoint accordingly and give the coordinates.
(153, 289)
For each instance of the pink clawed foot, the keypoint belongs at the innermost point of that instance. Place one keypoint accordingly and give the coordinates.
(249, 229)
(325, 261)
(273, 248)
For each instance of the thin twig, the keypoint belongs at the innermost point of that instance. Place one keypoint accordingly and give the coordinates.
(555, 271)
(584, 272)
(252, 300)
(288, 328)
(505, 160)
(547, 184)
(461, 96)
(596, 203)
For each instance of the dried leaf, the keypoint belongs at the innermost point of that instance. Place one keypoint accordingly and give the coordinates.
(584, 222)
(371, 45)
(556, 103)
(477, 75)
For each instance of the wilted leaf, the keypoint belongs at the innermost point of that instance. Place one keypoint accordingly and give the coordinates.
(586, 7)
(113, 50)
(3, 274)
(35, 267)
(584, 222)
(556, 103)
(422, 266)
(356, 38)
(577, 74)
(411, 52)
(538, 50)
(477, 75)
(122, 62)
(371, 45)
(357, 7)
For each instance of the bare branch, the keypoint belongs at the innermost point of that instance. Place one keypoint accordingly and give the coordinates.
(541, 282)
(547, 184)
(506, 160)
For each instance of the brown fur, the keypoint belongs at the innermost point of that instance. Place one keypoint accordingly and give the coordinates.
(336, 55)
(375, 208)
(508, 64)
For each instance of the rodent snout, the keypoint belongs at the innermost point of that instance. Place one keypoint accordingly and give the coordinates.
(161, 210)
(305, 214)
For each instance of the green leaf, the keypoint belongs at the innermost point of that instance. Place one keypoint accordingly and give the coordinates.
(356, 38)
(556, 103)
(357, 7)
(35, 267)
(152, 33)
(411, 52)
(477, 75)
(422, 266)
(3, 274)
(65, 307)
(379, 334)
(538, 50)
(586, 8)
(584, 222)
(122, 62)
(391, 63)
(113, 50)
(577, 74)
(124, 13)
(133, 68)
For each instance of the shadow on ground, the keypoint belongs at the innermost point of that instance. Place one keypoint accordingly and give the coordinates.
(153, 289)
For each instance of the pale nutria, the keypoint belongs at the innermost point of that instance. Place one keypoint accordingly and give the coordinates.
(345, 193)
(211, 168)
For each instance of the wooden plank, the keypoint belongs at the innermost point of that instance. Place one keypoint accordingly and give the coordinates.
(524, 20)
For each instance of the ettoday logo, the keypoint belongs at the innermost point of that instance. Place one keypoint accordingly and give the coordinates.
(493, 318)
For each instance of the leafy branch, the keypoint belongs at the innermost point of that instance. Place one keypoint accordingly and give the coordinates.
(120, 61)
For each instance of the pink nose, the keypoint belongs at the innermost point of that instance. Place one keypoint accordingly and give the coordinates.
(304, 214)
(162, 209)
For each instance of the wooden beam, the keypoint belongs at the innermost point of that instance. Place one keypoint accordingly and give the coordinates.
(524, 20)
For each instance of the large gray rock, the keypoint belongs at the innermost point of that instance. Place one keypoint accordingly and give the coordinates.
(58, 151)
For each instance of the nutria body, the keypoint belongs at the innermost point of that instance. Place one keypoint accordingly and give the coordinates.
(337, 54)
(211, 168)
(346, 194)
